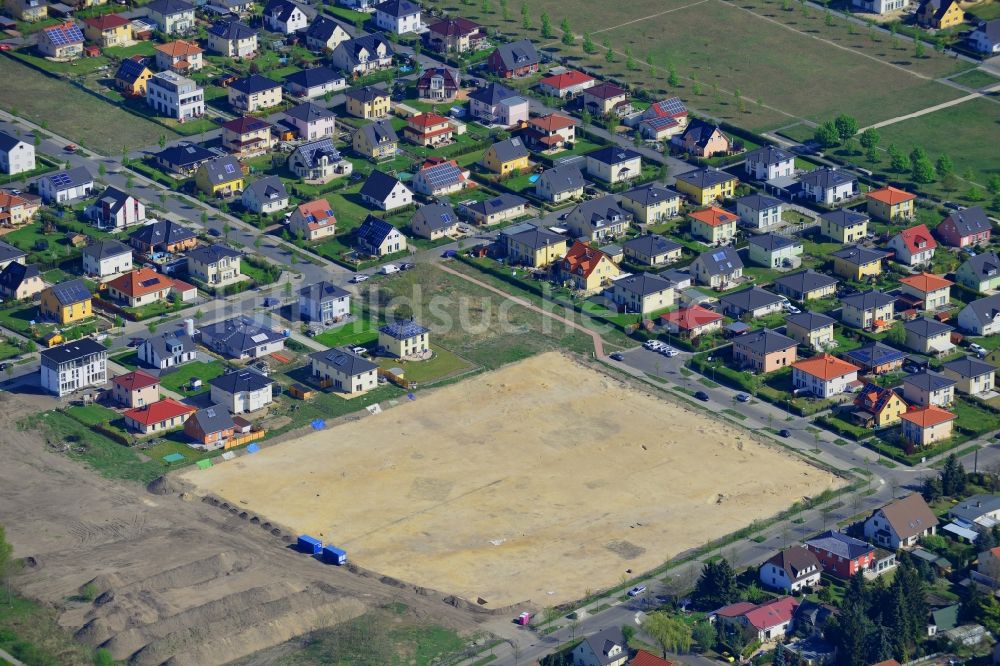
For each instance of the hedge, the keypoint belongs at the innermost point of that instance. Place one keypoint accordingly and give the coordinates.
(841, 427)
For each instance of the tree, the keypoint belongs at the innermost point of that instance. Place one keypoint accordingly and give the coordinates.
(567, 33)
(672, 79)
(288, 289)
(704, 635)
(897, 160)
(162, 141)
(628, 631)
(919, 49)
(588, 44)
(953, 477)
(102, 170)
(944, 166)
(5, 552)
(921, 166)
(826, 135)
(828, 18)
(779, 655)
(546, 26)
(525, 16)
(846, 126)
(504, 12)
(630, 63)
(609, 55)
(993, 184)
(585, 117)
(717, 584)
(672, 633)
(932, 489)
(650, 64)
(869, 138)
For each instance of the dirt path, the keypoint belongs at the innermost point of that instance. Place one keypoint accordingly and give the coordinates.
(598, 341)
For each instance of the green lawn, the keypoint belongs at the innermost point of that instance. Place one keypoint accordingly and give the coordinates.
(984, 11)
(977, 78)
(139, 48)
(179, 380)
(8, 349)
(31, 633)
(156, 309)
(18, 317)
(107, 457)
(359, 332)
(91, 414)
(444, 364)
(129, 359)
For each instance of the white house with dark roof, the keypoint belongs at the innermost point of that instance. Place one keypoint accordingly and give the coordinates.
(972, 376)
(215, 265)
(986, 37)
(928, 336)
(242, 338)
(790, 570)
(242, 391)
(385, 192)
(167, 350)
(324, 302)
(494, 210)
(315, 82)
(319, 161)
(104, 258)
(362, 54)
(343, 371)
(868, 309)
(73, 366)
(768, 163)
(829, 186)
(775, 251)
(980, 273)
(16, 156)
(265, 196)
(311, 121)
(232, 39)
(116, 210)
(806, 285)
(614, 164)
(434, 221)
(758, 211)
(642, 293)
(720, 268)
(64, 186)
(652, 203)
(284, 16)
(752, 301)
(598, 219)
(377, 238)
(398, 16)
(901, 523)
(560, 183)
(652, 250)
(605, 648)
(254, 93)
(981, 316)
(404, 339)
(496, 104)
(171, 16)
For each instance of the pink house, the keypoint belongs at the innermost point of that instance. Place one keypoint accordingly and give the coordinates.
(496, 104)
(767, 621)
(704, 140)
(965, 227)
(310, 121)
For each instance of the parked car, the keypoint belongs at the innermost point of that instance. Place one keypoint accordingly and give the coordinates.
(977, 349)
(271, 301)
(214, 232)
(743, 397)
(637, 590)
(405, 266)
(655, 345)
(449, 254)
(70, 147)
(389, 269)
(785, 432)
(360, 277)
(701, 395)
(668, 351)
(5, 47)
(617, 356)
(791, 309)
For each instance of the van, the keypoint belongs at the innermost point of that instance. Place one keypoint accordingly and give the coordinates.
(389, 269)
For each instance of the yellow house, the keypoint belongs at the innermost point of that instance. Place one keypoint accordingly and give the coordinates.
(368, 103)
(131, 77)
(587, 268)
(857, 263)
(844, 226)
(108, 30)
(405, 339)
(529, 245)
(507, 157)
(891, 204)
(66, 303)
(940, 14)
(222, 176)
(878, 407)
(706, 186)
(713, 225)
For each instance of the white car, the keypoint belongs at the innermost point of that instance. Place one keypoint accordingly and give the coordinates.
(389, 269)
(360, 277)
(791, 309)
(668, 351)
(637, 590)
(979, 350)
(655, 345)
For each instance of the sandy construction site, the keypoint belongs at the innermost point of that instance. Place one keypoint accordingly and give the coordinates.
(535, 482)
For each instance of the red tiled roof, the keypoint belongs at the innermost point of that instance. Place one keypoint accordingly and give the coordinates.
(582, 259)
(713, 216)
(159, 411)
(772, 613)
(643, 658)
(928, 416)
(426, 120)
(891, 195)
(140, 282)
(135, 380)
(552, 122)
(317, 213)
(692, 317)
(926, 282)
(566, 79)
(179, 48)
(604, 91)
(735, 610)
(918, 238)
(107, 21)
(825, 366)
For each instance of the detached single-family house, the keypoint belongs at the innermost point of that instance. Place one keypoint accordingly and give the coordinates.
(313, 220)
(428, 129)
(811, 329)
(980, 273)
(549, 133)
(662, 120)
(971, 376)
(868, 310)
(28, 11)
(454, 35)
(135, 389)
(566, 84)
(362, 55)
(586, 268)
(62, 42)
(496, 104)
(437, 178)
(220, 177)
(758, 211)
(901, 523)
(531, 245)
(215, 265)
(167, 350)
(940, 14)
(254, 93)
(19, 282)
(242, 391)
(183, 158)
(132, 76)
(891, 204)
(614, 164)
(16, 155)
(343, 371)
(265, 196)
(211, 427)
(768, 163)
(324, 302)
(806, 285)
(171, 16)
(842, 555)
(108, 30)
(165, 414)
(829, 186)
(914, 246)
(855, 262)
(824, 376)
(986, 37)
(247, 136)
(720, 269)
(774, 251)
(377, 238)
(404, 339)
(605, 648)
(706, 186)
(981, 316)
(598, 219)
(398, 16)
(115, 210)
(241, 338)
(73, 366)
(713, 225)
(163, 236)
(143, 286)
(496, 209)
(928, 336)
(751, 302)
(880, 6)
(437, 84)
(927, 426)
(311, 121)
(376, 141)
(385, 192)
(764, 351)
(692, 321)
(179, 56)
(325, 34)
(285, 17)
(232, 39)
(844, 226)
(652, 203)
(929, 388)
(434, 221)
(791, 569)
(65, 303)
(876, 358)
(319, 162)
(767, 621)
(17, 210)
(606, 99)
(652, 250)
(702, 139)
(368, 102)
(64, 186)
(925, 291)
(513, 60)
(878, 407)
(10, 255)
(642, 293)
(560, 183)
(508, 157)
(965, 227)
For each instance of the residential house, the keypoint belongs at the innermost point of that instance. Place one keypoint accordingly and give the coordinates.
(605, 99)
(586, 268)
(132, 76)
(19, 282)
(713, 225)
(891, 204)
(232, 39)
(880, 6)
(598, 219)
(971, 376)
(108, 30)
(73, 366)
(404, 339)
(751, 302)
(428, 129)
(497, 209)
(10, 254)
(211, 427)
(434, 221)
(929, 388)
(247, 136)
(812, 329)
(385, 192)
(313, 220)
(764, 351)
(614, 164)
(183, 158)
(454, 35)
(376, 141)
(319, 162)
(767, 621)
(692, 321)
(605, 648)
(362, 55)
(914, 246)
(829, 186)
(981, 316)
(652, 250)
(135, 389)
(241, 338)
(531, 245)
(28, 11)
(221, 176)
(560, 183)
(702, 139)
(62, 42)
(437, 178)
(359, 5)
(16, 156)
(549, 133)
(507, 158)
(855, 262)
(642, 293)
(265, 196)
(285, 17)
(215, 265)
(167, 350)
(661, 120)
(66, 303)
(928, 336)
(496, 104)
(179, 56)
(398, 16)
(438, 84)
(144, 286)
(758, 211)
(965, 227)
(643, 658)
(986, 37)
(378, 238)
(901, 523)
(824, 375)
(868, 310)
(876, 358)
(774, 251)
(980, 273)
(65, 186)
(566, 84)
(791, 570)
(651, 203)
(242, 391)
(514, 59)
(841, 555)
(706, 186)
(844, 226)
(311, 121)
(175, 96)
(163, 236)
(171, 16)
(325, 34)
(878, 407)
(940, 14)
(324, 302)
(768, 163)
(925, 291)
(368, 102)
(720, 268)
(17, 210)
(344, 371)
(254, 93)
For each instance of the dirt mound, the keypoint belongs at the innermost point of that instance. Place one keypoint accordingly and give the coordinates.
(162, 486)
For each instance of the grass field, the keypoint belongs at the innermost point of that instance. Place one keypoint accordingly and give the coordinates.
(977, 78)
(358, 332)
(179, 380)
(444, 364)
(93, 123)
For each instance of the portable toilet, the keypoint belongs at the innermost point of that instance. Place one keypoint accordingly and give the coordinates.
(334, 555)
(310, 545)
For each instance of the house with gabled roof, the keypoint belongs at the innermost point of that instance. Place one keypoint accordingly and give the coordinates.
(531, 245)
(767, 621)
(876, 358)
(163, 236)
(398, 16)
(706, 186)
(507, 157)
(925, 291)
(368, 102)
(66, 302)
(598, 219)
(702, 139)
(28, 11)
(751, 302)
(65, 186)
(144, 286)
(438, 84)
(652, 250)
(940, 14)
(587, 268)
(513, 60)
(215, 265)
(605, 648)
(824, 375)
(965, 227)
(496, 104)
(210, 427)
(132, 76)
(343, 371)
(914, 246)
(662, 120)
(313, 220)
(764, 351)
(159, 416)
(362, 55)
(605, 99)
(720, 268)
(10, 254)
(222, 176)
(566, 84)
(324, 302)
(16, 155)
(503, 207)
(167, 350)
(891, 204)
(980, 273)
(319, 162)
(241, 337)
(811, 329)
(901, 523)
(179, 56)
(135, 389)
(116, 210)
(560, 183)
(775, 251)
(790, 570)
(971, 376)
(434, 221)
(758, 211)
(549, 133)
(713, 225)
(455, 34)
(869, 310)
(376, 141)
(20, 282)
(642, 293)
(768, 163)
(929, 388)
(231, 38)
(254, 93)
(856, 262)
(171, 16)
(981, 316)
(385, 192)
(928, 336)
(242, 391)
(265, 196)
(806, 285)
(841, 555)
(285, 17)
(878, 407)
(435, 178)
(828, 186)
(692, 321)
(985, 38)
(247, 136)
(377, 238)
(17, 209)
(108, 30)
(63, 41)
(325, 34)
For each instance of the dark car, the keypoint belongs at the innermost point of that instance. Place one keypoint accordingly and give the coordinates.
(785, 432)
(270, 302)
(701, 395)
(135, 342)
(617, 356)
(214, 232)
(448, 254)
(4, 365)
(405, 266)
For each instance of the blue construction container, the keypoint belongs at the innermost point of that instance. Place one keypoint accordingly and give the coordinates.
(334, 555)
(310, 545)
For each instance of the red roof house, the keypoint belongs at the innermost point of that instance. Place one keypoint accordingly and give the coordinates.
(135, 389)
(159, 416)
(144, 285)
(692, 321)
(567, 84)
(767, 621)
(914, 246)
(428, 129)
